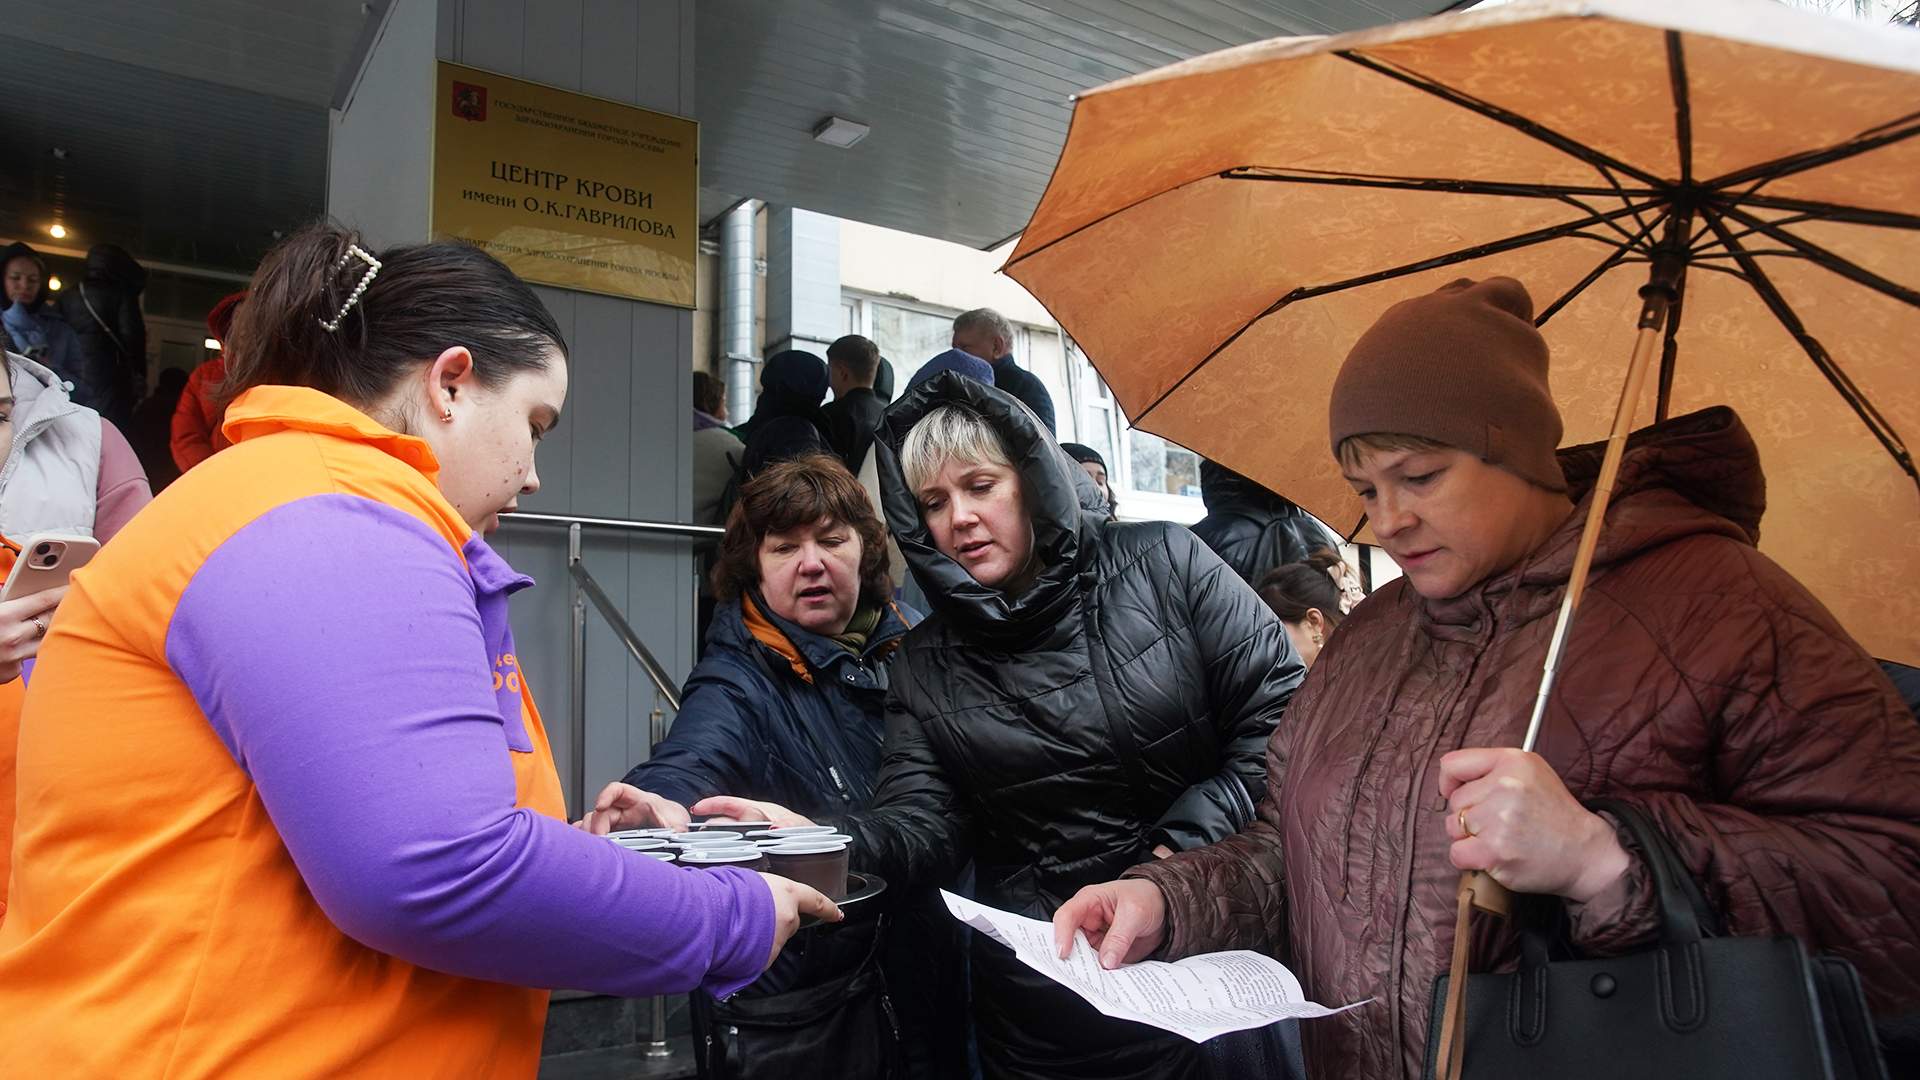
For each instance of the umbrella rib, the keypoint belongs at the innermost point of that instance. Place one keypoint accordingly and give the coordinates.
(1613, 259)
(1425, 183)
(1565, 144)
(1467, 254)
(1816, 352)
(1078, 229)
(1813, 159)
(1823, 257)
(1682, 105)
(1854, 215)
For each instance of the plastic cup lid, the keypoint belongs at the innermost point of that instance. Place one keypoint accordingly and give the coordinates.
(720, 836)
(704, 855)
(805, 847)
(799, 830)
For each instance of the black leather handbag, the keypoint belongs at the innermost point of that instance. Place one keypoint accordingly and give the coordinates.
(1696, 1005)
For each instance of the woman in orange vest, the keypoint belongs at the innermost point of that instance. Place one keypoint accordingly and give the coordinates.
(289, 809)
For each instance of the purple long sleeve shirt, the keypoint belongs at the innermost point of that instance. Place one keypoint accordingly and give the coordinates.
(345, 656)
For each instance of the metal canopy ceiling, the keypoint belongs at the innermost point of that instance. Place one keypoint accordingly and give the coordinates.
(968, 99)
(191, 131)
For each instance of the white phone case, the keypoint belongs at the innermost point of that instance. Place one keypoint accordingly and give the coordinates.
(46, 561)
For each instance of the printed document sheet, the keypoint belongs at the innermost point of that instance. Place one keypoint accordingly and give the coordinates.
(1199, 997)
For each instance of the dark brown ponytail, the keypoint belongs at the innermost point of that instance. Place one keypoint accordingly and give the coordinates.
(1292, 589)
(425, 299)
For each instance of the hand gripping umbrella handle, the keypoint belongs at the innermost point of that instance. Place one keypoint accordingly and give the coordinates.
(1477, 888)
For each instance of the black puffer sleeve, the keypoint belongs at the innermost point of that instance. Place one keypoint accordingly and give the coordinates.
(1249, 672)
(916, 832)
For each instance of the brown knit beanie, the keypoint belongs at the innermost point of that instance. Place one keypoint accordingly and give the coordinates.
(1462, 365)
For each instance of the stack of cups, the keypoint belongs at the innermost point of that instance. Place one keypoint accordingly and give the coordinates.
(810, 854)
(716, 847)
(649, 842)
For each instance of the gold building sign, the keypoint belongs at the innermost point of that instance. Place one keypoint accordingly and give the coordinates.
(566, 189)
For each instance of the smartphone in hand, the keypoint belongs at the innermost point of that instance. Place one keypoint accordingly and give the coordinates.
(46, 561)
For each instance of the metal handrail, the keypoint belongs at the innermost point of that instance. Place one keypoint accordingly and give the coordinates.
(666, 528)
(635, 647)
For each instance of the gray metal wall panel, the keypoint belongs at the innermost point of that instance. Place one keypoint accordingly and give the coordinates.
(553, 43)
(380, 157)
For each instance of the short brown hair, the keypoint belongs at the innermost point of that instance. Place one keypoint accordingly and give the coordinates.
(860, 356)
(789, 494)
(1354, 448)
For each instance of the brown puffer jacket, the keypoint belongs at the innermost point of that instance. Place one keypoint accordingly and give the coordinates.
(1702, 683)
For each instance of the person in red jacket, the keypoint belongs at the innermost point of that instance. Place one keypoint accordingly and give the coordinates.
(196, 420)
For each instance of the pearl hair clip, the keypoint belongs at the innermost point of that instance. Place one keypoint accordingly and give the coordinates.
(354, 251)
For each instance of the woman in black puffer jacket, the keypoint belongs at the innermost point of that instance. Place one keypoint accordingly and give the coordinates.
(1083, 693)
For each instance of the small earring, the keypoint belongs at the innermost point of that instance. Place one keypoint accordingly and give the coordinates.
(447, 417)
(1316, 637)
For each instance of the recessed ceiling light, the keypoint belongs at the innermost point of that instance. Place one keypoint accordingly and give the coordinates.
(836, 131)
(57, 231)
(53, 283)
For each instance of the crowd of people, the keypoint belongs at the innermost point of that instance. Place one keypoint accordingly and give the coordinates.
(930, 627)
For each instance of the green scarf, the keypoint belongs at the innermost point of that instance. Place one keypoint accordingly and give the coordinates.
(864, 622)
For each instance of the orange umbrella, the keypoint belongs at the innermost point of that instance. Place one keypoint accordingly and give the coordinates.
(1220, 231)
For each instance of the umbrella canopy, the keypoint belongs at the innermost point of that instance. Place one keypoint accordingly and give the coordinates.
(1219, 232)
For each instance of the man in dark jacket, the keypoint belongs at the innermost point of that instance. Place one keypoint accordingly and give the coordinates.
(1113, 700)
(986, 333)
(1253, 529)
(110, 333)
(853, 362)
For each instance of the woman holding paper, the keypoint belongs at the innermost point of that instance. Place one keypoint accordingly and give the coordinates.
(289, 807)
(1085, 695)
(1701, 682)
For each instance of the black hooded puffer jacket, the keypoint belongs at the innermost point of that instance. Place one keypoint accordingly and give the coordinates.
(1252, 528)
(1124, 700)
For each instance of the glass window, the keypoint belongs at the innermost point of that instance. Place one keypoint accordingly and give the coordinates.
(907, 337)
(1149, 461)
(1161, 466)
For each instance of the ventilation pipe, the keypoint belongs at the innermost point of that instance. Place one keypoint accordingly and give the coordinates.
(737, 350)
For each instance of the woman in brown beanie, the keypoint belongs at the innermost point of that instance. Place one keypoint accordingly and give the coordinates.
(1701, 683)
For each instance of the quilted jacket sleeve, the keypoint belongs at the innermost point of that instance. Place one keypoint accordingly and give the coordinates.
(1250, 672)
(713, 744)
(917, 832)
(1814, 829)
(1227, 895)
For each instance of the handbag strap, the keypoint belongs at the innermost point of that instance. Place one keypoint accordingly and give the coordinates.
(1685, 915)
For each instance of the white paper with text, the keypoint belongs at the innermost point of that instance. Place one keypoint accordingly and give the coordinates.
(1197, 998)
